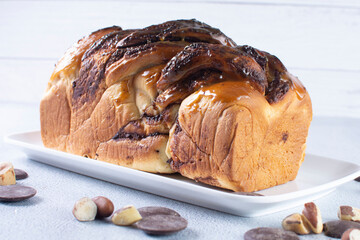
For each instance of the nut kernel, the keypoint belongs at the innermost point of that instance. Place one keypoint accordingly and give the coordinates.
(351, 234)
(85, 210)
(126, 216)
(105, 206)
(349, 213)
(312, 217)
(7, 174)
(295, 223)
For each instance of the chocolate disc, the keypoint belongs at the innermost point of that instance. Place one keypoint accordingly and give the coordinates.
(149, 211)
(20, 174)
(357, 179)
(13, 193)
(162, 224)
(269, 234)
(336, 228)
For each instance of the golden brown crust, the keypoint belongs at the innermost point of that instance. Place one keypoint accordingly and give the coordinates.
(235, 139)
(115, 95)
(55, 107)
(146, 154)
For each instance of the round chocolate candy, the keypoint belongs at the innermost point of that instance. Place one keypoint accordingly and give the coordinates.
(154, 210)
(336, 228)
(264, 233)
(14, 193)
(20, 174)
(162, 224)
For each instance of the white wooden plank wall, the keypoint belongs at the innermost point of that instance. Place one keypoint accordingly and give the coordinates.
(319, 41)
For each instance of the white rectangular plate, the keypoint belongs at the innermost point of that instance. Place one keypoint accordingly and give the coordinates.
(317, 177)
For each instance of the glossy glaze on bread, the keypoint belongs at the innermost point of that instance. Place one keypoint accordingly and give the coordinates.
(179, 97)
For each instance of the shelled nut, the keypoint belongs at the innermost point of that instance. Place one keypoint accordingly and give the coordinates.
(351, 234)
(105, 207)
(349, 213)
(126, 216)
(312, 217)
(7, 174)
(85, 209)
(295, 223)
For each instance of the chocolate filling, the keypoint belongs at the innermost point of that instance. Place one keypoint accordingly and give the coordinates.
(177, 127)
(261, 60)
(175, 165)
(277, 90)
(180, 30)
(201, 56)
(285, 136)
(134, 136)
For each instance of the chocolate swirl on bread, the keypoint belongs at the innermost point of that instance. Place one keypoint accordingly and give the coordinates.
(179, 97)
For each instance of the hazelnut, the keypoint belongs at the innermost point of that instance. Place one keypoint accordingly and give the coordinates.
(7, 174)
(105, 207)
(85, 209)
(349, 213)
(312, 217)
(126, 216)
(351, 234)
(295, 223)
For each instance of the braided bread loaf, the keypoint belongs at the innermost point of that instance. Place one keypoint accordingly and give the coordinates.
(179, 97)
